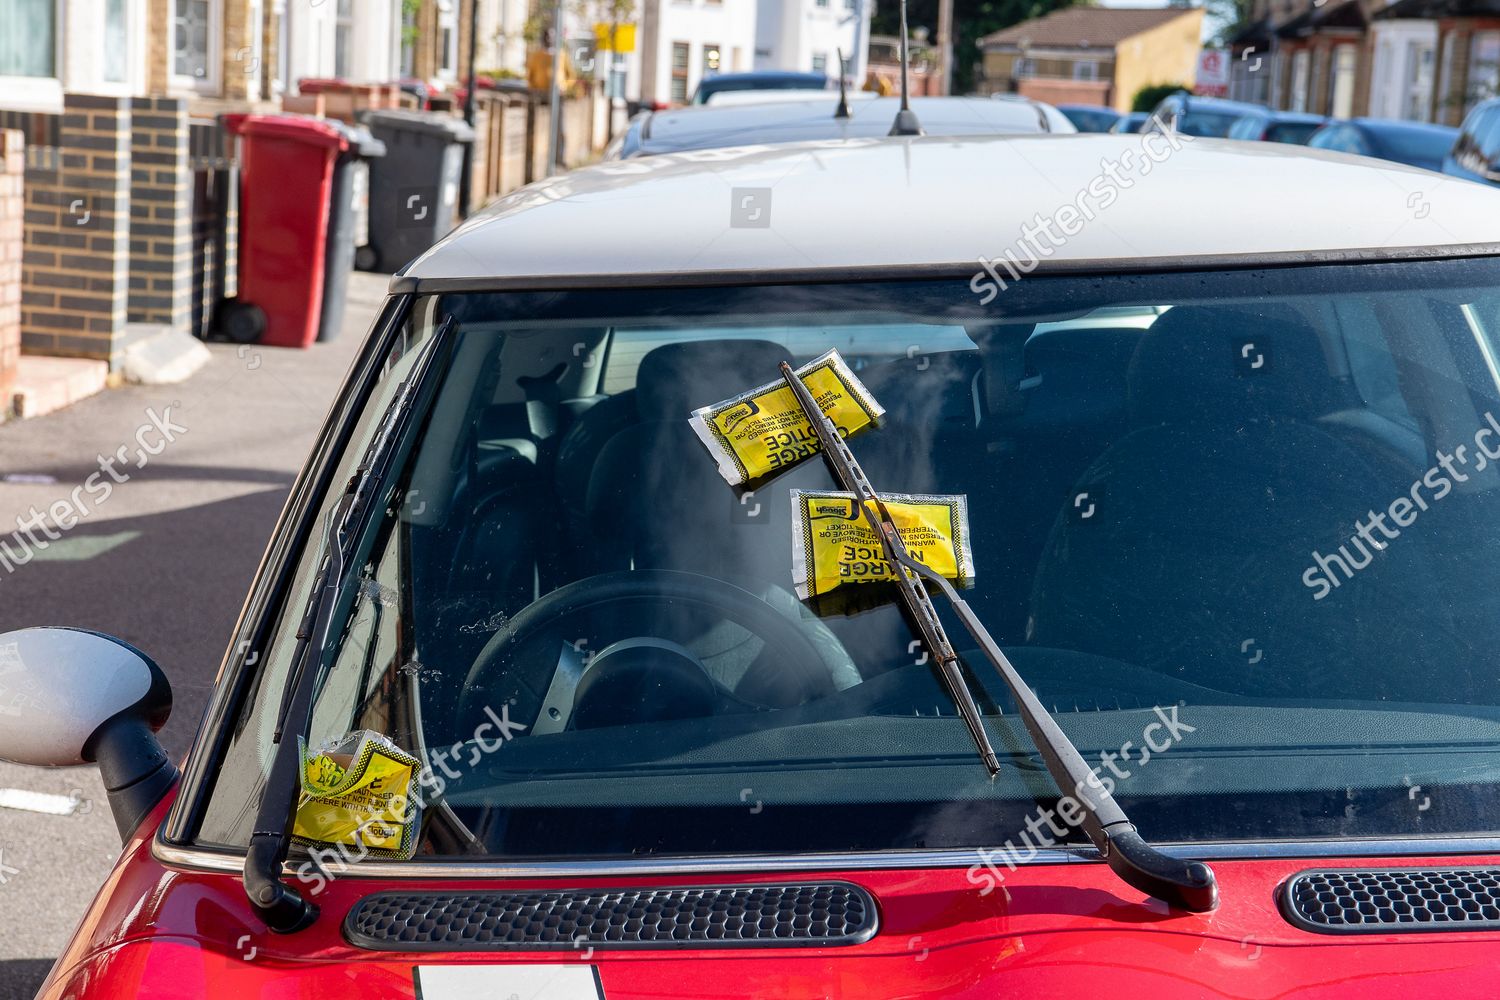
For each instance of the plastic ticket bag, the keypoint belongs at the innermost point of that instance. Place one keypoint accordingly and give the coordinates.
(764, 429)
(358, 790)
(833, 544)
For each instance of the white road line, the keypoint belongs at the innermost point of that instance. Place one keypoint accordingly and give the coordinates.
(39, 802)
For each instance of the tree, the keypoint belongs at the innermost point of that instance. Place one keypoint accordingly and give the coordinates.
(1147, 98)
(1230, 15)
(972, 20)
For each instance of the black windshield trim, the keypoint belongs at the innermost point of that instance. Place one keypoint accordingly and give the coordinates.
(917, 272)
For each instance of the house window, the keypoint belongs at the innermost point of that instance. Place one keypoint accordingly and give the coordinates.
(116, 40)
(1024, 68)
(283, 47)
(820, 63)
(1344, 59)
(681, 53)
(343, 38)
(1301, 68)
(1418, 91)
(1086, 70)
(1484, 67)
(822, 4)
(713, 58)
(448, 39)
(192, 37)
(28, 45)
(408, 39)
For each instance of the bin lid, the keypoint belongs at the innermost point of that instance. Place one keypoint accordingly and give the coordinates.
(362, 142)
(450, 128)
(299, 128)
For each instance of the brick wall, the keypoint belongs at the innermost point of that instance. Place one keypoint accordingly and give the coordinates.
(76, 256)
(12, 207)
(161, 209)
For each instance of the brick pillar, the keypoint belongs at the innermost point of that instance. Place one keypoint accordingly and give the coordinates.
(161, 213)
(76, 260)
(12, 208)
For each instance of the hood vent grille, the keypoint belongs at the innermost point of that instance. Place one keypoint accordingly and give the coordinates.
(1394, 900)
(735, 916)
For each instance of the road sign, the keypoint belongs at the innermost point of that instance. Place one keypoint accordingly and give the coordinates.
(1213, 73)
(624, 37)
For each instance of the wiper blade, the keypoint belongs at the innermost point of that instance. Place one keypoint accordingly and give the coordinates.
(913, 595)
(283, 908)
(1188, 885)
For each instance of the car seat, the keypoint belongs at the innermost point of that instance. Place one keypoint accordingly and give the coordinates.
(1185, 545)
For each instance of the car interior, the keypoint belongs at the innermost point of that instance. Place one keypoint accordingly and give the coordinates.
(1147, 485)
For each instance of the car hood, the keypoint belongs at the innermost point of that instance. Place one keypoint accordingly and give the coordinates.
(1047, 929)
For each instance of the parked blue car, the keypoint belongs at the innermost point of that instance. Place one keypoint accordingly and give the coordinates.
(1294, 127)
(1090, 117)
(1417, 144)
(1475, 154)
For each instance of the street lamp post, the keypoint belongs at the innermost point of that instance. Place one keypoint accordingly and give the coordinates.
(554, 140)
(466, 176)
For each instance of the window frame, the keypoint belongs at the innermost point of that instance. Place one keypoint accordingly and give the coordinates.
(679, 74)
(212, 82)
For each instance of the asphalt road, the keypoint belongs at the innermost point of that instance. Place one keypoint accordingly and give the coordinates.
(164, 563)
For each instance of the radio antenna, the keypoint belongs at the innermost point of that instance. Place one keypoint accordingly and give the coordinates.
(906, 119)
(842, 111)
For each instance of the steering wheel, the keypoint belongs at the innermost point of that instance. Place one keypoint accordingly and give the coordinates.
(600, 626)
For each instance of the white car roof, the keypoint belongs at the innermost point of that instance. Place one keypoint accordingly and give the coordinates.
(715, 126)
(928, 205)
(727, 98)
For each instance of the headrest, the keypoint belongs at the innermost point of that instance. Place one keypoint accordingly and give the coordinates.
(1214, 364)
(675, 379)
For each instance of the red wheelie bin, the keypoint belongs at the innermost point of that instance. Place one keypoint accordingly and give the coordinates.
(286, 170)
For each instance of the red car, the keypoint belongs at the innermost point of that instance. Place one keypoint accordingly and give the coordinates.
(918, 566)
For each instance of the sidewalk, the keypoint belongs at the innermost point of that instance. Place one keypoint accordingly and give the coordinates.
(164, 562)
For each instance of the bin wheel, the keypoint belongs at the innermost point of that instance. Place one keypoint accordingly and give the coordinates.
(365, 258)
(242, 322)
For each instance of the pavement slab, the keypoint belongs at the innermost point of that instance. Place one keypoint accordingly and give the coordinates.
(164, 562)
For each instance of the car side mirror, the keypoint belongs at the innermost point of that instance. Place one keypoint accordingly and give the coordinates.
(70, 696)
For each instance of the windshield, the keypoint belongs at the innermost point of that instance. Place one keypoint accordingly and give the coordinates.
(1296, 133)
(790, 81)
(1209, 124)
(1236, 528)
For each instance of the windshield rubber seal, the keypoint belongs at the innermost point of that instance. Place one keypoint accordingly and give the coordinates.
(417, 284)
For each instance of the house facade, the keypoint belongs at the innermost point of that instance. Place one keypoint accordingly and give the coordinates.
(219, 54)
(679, 42)
(808, 35)
(1093, 55)
(1420, 60)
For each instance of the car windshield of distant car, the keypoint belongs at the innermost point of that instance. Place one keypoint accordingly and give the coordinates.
(1091, 119)
(1209, 124)
(720, 85)
(1296, 133)
(1239, 529)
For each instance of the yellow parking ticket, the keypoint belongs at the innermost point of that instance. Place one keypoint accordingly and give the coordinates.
(357, 791)
(764, 429)
(833, 544)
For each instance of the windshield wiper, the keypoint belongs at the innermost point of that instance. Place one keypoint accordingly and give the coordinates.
(283, 909)
(1188, 885)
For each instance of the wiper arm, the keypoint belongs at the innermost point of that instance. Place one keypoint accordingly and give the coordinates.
(282, 907)
(1188, 885)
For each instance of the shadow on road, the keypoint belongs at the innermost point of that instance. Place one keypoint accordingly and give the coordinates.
(174, 587)
(20, 978)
